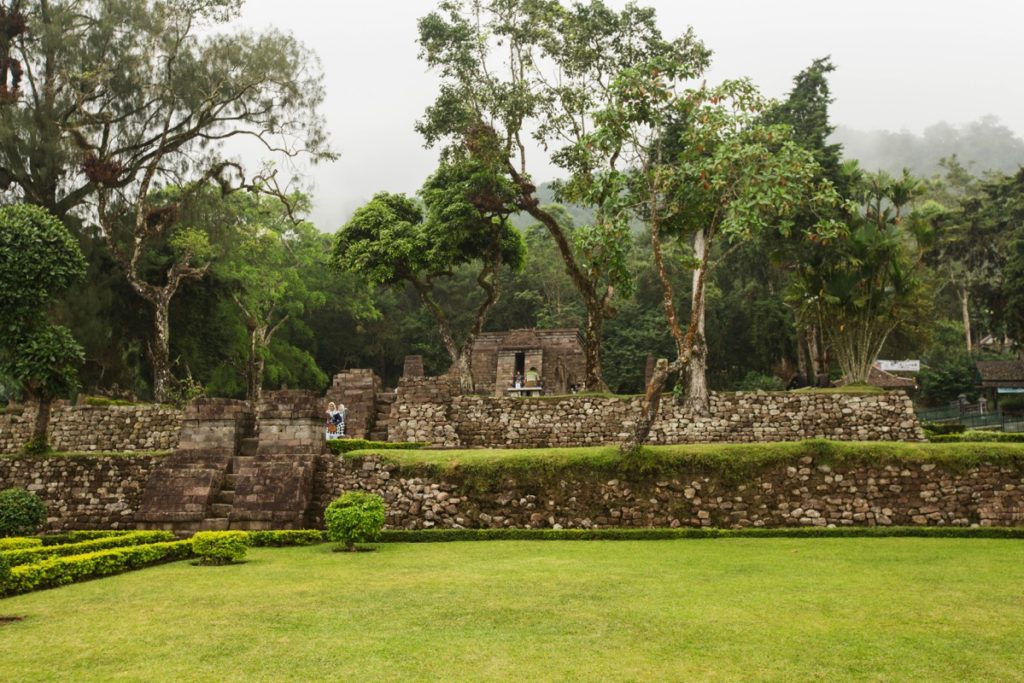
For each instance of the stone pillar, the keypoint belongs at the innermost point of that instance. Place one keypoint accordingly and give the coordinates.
(214, 426)
(291, 422)
(413, 366)
(358, 390)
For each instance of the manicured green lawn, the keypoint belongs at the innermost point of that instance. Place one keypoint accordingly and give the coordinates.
(737, 609)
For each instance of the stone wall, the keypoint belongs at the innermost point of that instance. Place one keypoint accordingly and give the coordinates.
(86, 492)
(143, 427)
(805, 492)
(99, 492)
(428, 409)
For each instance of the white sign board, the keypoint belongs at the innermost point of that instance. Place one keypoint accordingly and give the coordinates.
(899, 365)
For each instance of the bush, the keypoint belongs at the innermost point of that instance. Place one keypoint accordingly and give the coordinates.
(339, 446)
(756, 381)
(31, 555)
(279, 539)
(355, 517)
(21, 513)
(19, 543)
(220, 547)
(977, 436)
(79, 536)
(943, 428)
(5, 574)
(58, 571)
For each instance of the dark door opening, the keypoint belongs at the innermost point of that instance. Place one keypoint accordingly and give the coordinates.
(520, 363)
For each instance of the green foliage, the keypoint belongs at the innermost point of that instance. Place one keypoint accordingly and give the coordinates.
(104, 401)
(21, 512)
(82, 535)
(290, 537)
(975, 436)
(756, 381)
(20, 543)
(38, 260)
(59, 571)
(339, 446)
(942, 428)
(220, 547)
(355, 517)
(5, 574)
(32, 555)
(667, 534)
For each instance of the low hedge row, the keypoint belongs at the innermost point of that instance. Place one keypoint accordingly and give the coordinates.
(660, 533)
(79, 536)
(20, 542)
(37, 554)
(977, 436)
(59, 571)
(279, 539)
(339, 446)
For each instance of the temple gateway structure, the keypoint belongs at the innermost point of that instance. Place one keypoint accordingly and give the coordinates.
(555, 355)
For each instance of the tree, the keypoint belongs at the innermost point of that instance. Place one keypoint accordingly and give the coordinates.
(144, 235)
(867, 283)
(516, 69)
(267, 259)
(121, 99)
(392, 240)
(805, 111)
(38, 260)
(701, 161)
(110, 88)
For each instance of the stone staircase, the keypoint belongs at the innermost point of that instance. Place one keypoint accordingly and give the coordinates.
(382, 416)
(219, 511)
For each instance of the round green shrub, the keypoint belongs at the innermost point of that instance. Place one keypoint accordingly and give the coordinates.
(220, 547)
(355, 517)
(22, 513)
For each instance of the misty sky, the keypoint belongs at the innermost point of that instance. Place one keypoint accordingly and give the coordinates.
(902, 64)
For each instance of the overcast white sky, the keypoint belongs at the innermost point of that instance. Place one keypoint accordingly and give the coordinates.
(902, 64)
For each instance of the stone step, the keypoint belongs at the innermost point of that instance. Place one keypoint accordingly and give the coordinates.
(226, 496)
(387, 397)
(248, 446)
(214, 524)
(229, 481)
(220, 509)
(378, 436)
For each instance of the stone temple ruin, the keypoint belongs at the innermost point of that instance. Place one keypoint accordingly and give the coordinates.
(556, 354)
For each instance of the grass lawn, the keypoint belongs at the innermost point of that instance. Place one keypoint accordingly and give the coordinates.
(737, 609)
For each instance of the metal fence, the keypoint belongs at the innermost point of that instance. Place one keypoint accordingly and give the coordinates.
(973, 416)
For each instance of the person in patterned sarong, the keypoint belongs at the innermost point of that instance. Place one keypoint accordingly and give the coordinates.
(335, 421)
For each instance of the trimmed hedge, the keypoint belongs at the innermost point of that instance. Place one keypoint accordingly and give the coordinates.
(59, 571)
(942, 428)
(220, 547)
(37, 554)
(339, 446)
(663, 533)
(978, 436)
(20, 543)
(79, 536)
(280, 539)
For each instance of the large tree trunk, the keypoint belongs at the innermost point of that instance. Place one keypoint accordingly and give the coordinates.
(697, 399)
(160, 348)
(812, 350)
(254, 372)
(965, 311)
(40, 440)
(802, 366)
(593, 374)
(649, 406)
